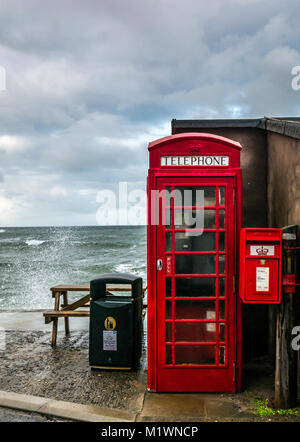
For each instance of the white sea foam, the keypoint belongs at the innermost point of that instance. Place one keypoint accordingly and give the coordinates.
(34, 242)
(124, 268)
(9, 240)
(2, 230)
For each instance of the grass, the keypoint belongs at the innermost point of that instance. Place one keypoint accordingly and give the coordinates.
(262, 408)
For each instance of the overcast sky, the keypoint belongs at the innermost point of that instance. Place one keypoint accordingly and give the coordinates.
(90, 83)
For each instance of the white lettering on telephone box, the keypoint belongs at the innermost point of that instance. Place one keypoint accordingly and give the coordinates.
(201, 160)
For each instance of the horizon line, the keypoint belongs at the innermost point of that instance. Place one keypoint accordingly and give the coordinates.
(76, 225)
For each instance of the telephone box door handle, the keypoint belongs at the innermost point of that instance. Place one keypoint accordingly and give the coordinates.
(159, 264)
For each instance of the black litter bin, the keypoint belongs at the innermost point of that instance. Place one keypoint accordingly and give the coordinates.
(116, 326)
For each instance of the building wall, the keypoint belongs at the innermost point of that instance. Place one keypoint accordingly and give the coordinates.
(283, 180)
(283, 195)
(254, 167)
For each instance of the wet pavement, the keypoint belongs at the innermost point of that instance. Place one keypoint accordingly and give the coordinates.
(7, 415)
(29, 365)
(190, 407)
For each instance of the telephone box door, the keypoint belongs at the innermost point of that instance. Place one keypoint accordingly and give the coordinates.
(196, 303)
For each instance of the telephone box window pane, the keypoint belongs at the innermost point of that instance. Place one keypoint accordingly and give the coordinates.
(205, 241)
(168, 309)
(189, 218)
(221, 264)
(221, 287)
(194, 196)
(168, 196)
(168, 354)
(195, 287)
(222, 241)
(168, 242)
(221, 309)
(190, 309)
(195, 332)
(168, 218)
(192, 354)
(221, 218)
(168, 287)
(168, 331)
(209, 196)
(195, 219)
(210, 219)
(195, 264)
(222, 332)
(222, 355)
(188, 196)
(178, 219)
(221, 196)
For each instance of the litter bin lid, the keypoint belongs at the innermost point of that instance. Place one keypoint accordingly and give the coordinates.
(115, 278)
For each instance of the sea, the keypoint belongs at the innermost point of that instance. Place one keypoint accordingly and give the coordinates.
(33, 259)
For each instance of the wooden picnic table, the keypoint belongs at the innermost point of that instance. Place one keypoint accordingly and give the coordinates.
(66, 310)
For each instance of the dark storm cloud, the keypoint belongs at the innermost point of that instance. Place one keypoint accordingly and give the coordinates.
(90, 83)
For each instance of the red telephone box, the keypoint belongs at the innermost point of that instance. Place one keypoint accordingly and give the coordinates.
(194, 220)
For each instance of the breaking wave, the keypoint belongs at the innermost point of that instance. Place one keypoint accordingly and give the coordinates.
(34, 242)
(33, 259)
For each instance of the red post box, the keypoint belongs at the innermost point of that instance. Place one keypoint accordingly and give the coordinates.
(260, 265)
(194, 219)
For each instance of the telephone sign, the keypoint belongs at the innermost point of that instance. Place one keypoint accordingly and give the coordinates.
(195, 161)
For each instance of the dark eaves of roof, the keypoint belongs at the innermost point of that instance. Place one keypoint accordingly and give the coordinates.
(288, 126)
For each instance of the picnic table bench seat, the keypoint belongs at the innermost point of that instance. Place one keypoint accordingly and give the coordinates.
(66, 310)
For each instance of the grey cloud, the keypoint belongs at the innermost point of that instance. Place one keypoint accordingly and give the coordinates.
(90, 83)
